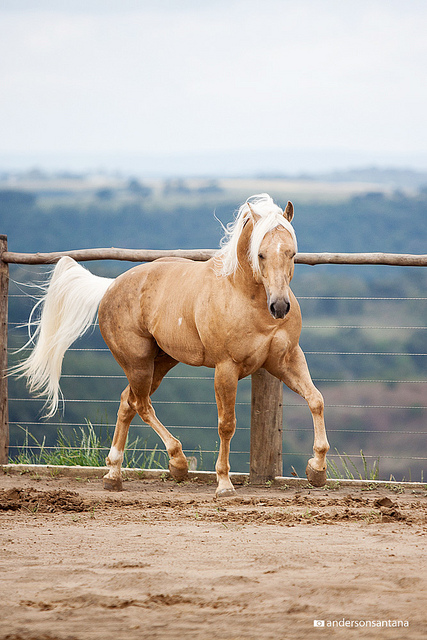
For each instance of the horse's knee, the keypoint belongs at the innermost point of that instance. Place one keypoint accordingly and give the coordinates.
(226, 428)
(316, 402)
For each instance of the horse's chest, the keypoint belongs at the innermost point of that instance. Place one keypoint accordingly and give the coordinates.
(250, 352)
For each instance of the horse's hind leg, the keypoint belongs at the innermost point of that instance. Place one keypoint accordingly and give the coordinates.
(135, 398)
(144, 377)
(113, 479)
(178, 464)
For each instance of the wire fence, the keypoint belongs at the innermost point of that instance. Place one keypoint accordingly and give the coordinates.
(375, 397)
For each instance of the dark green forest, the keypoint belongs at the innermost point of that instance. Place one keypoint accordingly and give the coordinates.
(370, 222)
(372, 385)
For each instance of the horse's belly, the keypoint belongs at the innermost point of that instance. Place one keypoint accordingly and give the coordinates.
(186, 354)
(182, 344)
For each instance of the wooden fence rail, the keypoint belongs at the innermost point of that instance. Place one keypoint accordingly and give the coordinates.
(148, 255)
(266, 405)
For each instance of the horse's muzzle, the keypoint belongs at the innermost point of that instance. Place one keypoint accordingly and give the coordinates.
(279, 308)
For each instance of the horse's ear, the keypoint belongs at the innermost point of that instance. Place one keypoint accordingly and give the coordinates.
(289, 212)
(255, 217)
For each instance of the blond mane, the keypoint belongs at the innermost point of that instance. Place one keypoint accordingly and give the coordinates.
(269, 216)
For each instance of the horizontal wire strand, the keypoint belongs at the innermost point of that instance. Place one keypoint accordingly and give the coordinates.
(305, 326)
(215, 428)
(212, 403)
(383, 298)
(214, 451)
(211, 378)
(318, 353)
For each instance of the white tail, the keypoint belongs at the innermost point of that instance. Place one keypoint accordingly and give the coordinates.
(69, 307)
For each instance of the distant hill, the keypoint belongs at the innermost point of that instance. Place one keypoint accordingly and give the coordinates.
(392, 177)
(373, 221)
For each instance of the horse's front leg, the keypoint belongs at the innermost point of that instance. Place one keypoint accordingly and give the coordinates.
(226, 378)
(294, 372)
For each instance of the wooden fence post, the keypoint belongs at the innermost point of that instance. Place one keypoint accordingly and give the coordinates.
(266, 427)
(4, 412)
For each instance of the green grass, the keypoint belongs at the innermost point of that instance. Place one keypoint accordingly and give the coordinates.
(84, 447)
(350, 470)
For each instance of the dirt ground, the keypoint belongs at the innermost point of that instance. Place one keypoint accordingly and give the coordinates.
(167, 561)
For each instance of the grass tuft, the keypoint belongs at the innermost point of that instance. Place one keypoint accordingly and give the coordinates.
(350, 469)
(84, 447)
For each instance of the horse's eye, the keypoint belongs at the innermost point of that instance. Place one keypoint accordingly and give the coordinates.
(261, 256)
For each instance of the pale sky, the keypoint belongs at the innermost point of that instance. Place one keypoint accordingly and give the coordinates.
(193, 76)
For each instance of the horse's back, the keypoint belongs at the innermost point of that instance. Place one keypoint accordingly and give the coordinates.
(173, 259)
(159, 300)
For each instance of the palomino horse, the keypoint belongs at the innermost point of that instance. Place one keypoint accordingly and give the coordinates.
(235, 313)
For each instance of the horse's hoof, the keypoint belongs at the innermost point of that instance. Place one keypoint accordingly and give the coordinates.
(316, 478)
(112, 484)
(178, 473)
(225, 493)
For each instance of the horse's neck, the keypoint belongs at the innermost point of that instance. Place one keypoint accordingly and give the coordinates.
(244, 277)
(243, 280)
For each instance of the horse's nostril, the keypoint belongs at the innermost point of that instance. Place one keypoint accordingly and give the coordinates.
(279, 308)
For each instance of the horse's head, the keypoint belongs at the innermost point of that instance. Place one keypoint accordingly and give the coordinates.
(261, 242)
(273, 262)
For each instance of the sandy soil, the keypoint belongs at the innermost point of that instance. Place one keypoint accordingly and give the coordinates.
(162, 560)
